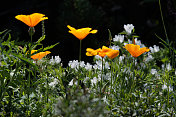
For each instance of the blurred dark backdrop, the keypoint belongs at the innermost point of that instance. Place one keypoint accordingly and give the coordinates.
(97, 14)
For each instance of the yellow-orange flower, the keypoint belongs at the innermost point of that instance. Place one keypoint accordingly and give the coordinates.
(31, 20)
(112, 53)
(91, 52)
(39, 55)
(102, 52)
(81, 33)
(135, 50)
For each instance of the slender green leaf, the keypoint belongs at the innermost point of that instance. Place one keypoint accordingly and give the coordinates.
(24, 59)
(50, 47)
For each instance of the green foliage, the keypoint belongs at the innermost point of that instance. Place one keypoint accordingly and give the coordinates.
(78, 103)
(124, 86)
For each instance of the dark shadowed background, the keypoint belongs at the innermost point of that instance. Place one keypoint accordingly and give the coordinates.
(97, 14)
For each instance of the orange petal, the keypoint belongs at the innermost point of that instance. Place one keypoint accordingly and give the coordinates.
(40, 55)
(24, 18)
(91, 52)
(80, 33)
(112, 54)
(105, 49)
(88, 54)
(94, 31)
(102, 54)
(36, 18)
(31, 20)
(135, 50)
(71, 28)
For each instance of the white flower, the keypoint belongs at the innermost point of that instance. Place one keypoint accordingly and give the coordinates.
(88, 66)
(129, 41)
(105, 100)
(121, 59)
(54, 83)
(12, 73)
(153, 71)
(95, 66)
(114, 47)
(168, 67)
(55, 59)
(149, 58)
(81, 64)
(107, 76)
(99, 65)
(94, 80)
(32, 95)
(107, 65)
(154, 49)
(98, 57)
(128, 28)
(71, 83)
(166, 87)
(119, 38)
(74, 64)
(138, 42)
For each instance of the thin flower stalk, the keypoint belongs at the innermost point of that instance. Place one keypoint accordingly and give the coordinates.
(105, 51)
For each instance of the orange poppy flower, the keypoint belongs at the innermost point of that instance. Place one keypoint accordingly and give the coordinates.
(81, 33)
(102, 52)
(31, 20)
(91, 52)
(112, 53)
(39, 55)
(135, 50)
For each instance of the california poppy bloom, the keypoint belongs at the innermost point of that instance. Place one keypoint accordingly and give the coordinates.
(102, 52)
(112, 53)
(91, 52)
(81, 33)
(135, 50)
(31, 20)
(39, 55)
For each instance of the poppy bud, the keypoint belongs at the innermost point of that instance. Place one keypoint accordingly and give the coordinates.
(31, 31)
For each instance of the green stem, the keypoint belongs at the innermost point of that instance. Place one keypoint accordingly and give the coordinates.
(111, 77)
(47, 90)
(168, 87)
(133, 76)
(101, 76)
(111, 85)
(43, 28)
(163, 21)
(29, 74)
(80, 50)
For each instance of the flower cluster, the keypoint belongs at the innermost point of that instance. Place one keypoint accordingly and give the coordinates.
(55, 60)
(75, 64)
(105, 51)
